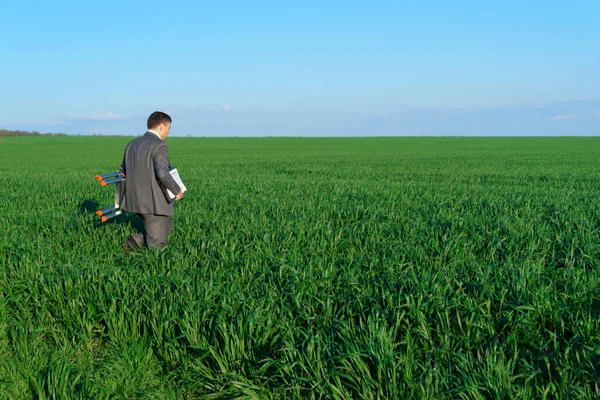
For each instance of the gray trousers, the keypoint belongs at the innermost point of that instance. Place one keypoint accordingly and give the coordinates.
(155, 233)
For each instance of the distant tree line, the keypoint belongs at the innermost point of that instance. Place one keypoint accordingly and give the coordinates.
(8, 132)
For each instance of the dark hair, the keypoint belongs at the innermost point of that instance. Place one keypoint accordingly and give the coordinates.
(157, 118)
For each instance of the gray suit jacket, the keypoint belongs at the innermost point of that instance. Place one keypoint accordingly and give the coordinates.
(145, 164)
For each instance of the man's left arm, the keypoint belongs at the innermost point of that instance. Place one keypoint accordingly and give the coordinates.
(161, 168)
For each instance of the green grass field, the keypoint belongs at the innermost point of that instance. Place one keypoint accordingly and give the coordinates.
(329, 268)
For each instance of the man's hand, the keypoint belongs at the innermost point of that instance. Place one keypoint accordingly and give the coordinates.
(179, 195)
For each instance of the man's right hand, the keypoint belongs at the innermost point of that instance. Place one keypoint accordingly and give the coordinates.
(179, 195)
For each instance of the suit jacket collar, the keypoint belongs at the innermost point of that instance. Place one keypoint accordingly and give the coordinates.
(153, 133)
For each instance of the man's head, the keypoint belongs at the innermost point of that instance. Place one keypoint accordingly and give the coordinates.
(160, 123)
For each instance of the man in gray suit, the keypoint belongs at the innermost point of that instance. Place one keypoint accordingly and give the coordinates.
(146, 168)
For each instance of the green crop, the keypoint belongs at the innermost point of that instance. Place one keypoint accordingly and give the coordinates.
(306, 268)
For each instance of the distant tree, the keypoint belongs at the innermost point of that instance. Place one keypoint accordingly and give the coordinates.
(7, 132)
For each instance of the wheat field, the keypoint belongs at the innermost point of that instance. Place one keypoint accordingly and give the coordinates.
(324, 268)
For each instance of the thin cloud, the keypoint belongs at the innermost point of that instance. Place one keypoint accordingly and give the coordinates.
(564, 117)
(42, 122)
(97, 116)
(223, 109)
(36, 122)
(598, 112)
(182, 110)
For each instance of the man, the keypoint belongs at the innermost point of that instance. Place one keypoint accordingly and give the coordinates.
(146, 168)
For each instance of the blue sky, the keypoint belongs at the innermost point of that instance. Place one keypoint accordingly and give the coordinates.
(304, 68)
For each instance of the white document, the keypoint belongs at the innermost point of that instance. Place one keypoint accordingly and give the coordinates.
(175, 176)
